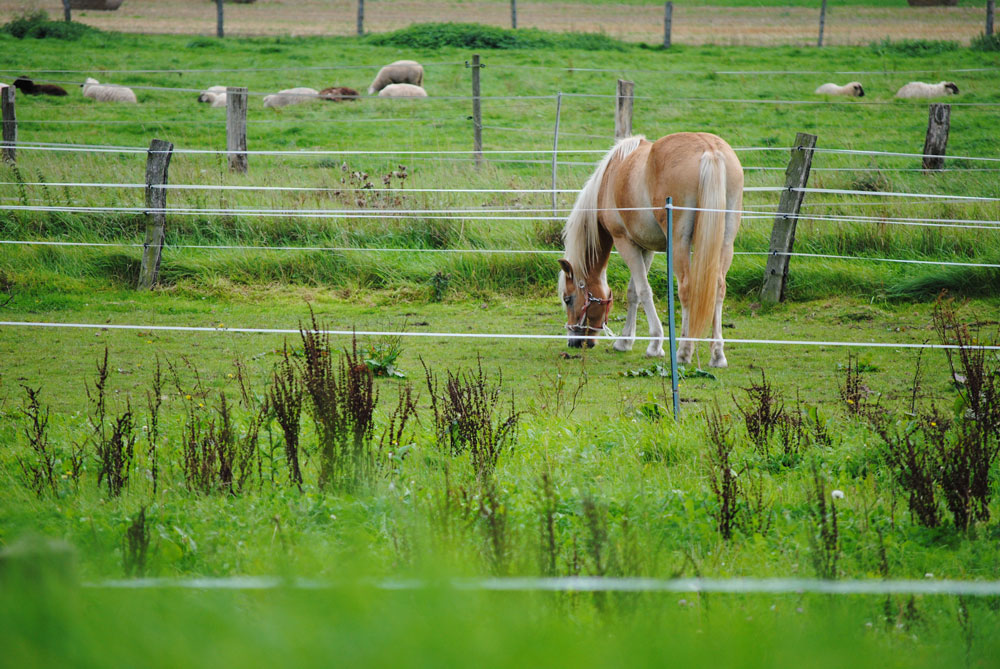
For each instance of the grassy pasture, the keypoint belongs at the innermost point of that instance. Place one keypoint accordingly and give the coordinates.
(629, 492)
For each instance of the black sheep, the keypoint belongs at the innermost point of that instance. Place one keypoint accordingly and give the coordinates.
(28, 87)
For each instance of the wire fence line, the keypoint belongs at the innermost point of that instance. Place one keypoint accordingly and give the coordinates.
(774, 586)
(63, 146)
(460, 251)
(223, 329)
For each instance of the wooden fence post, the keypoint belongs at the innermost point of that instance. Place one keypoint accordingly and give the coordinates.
(783, 232)
(513, 14)
(822, 23)
(361, 17)
(936, 143)
(219, 30)
(623, 108)
(9, 125)
(990, 9)
(555, 150)
(668, 20)
(67, 11)
(236, 128)
(157, 162)
(477, 112)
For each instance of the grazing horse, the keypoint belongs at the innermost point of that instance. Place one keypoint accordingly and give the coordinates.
(622, 206)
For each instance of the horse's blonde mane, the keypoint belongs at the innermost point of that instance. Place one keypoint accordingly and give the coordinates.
(580, 237)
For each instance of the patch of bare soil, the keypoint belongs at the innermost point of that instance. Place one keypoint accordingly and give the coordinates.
(691, 25)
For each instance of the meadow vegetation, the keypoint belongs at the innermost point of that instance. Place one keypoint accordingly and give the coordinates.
(372, 460)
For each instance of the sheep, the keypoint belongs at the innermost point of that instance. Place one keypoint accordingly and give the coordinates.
(107, 92)
(400, 72)
(338, 93)
(402, 91)
(852, 89)
(28, 87)
(918, 89)
(291, 96)
(208, 95)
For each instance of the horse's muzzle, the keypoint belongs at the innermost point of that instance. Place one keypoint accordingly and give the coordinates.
(578, 337)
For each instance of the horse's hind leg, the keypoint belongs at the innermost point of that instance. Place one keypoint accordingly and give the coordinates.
(718, 355)
(625, 342)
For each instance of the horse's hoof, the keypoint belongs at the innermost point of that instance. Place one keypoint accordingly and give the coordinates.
(622, 345)
(683, 358)
(655, 353)
(718, 361)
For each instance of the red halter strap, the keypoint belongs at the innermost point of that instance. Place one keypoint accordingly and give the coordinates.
(581, 325)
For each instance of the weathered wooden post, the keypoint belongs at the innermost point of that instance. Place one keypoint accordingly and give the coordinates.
(555, 150)
(513, 14)
(783, 232)
(936, 143)
(67, 11)
(668, 20)
(477, 112)
(822, 23)
(361, 17)
(9, 125)
(623, 108)
(236, 128)
(990, 9)
(157, 162)
(219, 30)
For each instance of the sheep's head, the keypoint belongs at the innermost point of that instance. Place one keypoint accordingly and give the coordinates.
(950, 87)
(90, 81)
(859, 91)
(23, 83)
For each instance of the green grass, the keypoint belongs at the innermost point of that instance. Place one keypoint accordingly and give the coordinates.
(631, 493)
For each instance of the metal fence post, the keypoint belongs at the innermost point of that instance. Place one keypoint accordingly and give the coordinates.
(555, 150)
(671, 330)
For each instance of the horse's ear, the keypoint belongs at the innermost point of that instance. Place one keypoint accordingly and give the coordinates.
(566, 268)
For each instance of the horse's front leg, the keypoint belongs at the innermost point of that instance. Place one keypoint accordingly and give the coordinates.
(635, 258)
(627, 339)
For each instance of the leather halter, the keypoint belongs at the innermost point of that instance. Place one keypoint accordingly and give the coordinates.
(581, 326)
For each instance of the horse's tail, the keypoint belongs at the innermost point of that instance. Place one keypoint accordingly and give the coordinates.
(580, 234)
(709, 232)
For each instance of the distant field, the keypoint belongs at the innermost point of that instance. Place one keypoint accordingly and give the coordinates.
(734, 22)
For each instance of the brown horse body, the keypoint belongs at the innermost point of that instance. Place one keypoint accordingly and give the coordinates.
(622, 207)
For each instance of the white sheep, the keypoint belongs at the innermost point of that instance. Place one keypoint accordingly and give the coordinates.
(400, 72)
(918, 89)
(852, 89)
(402, 91)
(209, 94)
(107, 92)
(291, 96)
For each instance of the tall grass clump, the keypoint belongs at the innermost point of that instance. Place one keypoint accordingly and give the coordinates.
(38, 26)
(477, 36)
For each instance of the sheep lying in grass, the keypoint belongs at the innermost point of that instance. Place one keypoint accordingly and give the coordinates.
(291, 96)
(107, 92)
(28, 87)
(918, 89)
(339, 93)
(402, 91)
(210, 93)
(852, 89)
(400, 72)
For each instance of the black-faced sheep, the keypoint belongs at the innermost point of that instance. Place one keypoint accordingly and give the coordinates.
(291, 96)
(853, 89)
(107, 92)
(918, 89)
(208, 95)
(400, 72)
(28, 87)
(339, 93)
(402, 91)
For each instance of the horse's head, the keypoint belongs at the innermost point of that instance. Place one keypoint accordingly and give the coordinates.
(588, 304)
